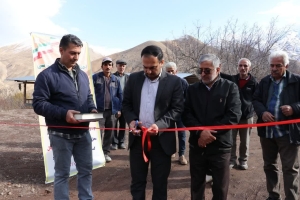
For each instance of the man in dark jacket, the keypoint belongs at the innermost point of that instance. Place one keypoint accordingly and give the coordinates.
(246, 84)
(171, 68)
(277, 98)
(152, 98)
(60, 91)
(119, 135)
(109, 97)
(213, 101)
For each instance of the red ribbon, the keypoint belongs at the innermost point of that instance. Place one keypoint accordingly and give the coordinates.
(144, 129)
(238, 126)
(144, 135)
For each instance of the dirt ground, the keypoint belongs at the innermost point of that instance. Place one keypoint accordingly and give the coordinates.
(22, 172)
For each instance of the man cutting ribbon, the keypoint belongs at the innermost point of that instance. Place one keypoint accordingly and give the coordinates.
(155, 99)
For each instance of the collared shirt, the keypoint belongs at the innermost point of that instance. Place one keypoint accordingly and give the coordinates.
(107, 99)
(148, 96)
(273, 106)
(71, 72)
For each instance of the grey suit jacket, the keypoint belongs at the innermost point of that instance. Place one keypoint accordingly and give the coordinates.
(168, 106)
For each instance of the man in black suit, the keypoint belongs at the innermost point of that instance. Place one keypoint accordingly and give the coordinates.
(152, 99)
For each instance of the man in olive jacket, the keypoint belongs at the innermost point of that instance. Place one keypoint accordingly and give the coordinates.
(277, 98)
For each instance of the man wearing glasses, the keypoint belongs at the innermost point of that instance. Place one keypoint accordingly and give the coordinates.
(247, 84)
(213, 101)
(277, 98)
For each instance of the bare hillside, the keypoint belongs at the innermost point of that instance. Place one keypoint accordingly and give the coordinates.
(132, 56)
(16, 61)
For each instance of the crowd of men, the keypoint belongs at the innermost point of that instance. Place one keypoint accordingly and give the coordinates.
(155, 99)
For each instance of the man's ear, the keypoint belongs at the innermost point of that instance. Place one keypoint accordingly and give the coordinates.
(61, 49)
(287, 66)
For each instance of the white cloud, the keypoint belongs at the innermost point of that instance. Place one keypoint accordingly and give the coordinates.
(289, 10)
(19, 18)
(105, 51)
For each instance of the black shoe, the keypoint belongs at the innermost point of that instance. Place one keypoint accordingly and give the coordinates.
(122, 146)
(114, 147)
(270, 198)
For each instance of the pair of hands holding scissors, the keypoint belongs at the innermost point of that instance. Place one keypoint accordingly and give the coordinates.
(134, 128)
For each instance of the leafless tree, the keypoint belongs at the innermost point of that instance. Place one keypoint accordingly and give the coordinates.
(230, 42)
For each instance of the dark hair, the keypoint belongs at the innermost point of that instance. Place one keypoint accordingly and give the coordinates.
(153, 51)
(112, 63)
(67, 39)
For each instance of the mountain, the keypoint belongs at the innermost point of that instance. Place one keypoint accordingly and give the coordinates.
(132, 56)
(16, 61)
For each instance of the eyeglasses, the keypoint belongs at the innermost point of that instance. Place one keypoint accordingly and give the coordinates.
(205, 70)
(243, 65)
(276, 65)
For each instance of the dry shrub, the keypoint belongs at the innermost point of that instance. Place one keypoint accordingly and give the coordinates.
(12, 101)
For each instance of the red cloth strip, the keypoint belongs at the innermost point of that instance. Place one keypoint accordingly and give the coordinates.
(238, 126)
(144, 135)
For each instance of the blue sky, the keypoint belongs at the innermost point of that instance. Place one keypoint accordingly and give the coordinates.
(115, 25)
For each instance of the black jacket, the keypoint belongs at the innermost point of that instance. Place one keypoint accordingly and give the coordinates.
(168, 106)
(290, 95)
(246, 95)
(219, 106)
(55, 93)
(226, 76)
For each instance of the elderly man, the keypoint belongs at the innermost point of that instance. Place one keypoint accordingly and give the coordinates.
(213, 101)
(247, 84)
(119, 135)
(152, 99)
(277, 98)
(171, 68)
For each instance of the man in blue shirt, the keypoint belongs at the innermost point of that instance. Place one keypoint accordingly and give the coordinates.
(277, 98)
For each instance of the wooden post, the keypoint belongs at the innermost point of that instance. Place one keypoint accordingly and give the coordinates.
(24, 92)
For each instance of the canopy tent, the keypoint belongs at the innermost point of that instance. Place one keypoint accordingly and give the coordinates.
(190, 78)
(25, 80)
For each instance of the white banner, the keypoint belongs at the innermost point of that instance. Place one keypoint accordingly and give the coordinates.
(45, 49)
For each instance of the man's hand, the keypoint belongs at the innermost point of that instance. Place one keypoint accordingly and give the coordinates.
(268, 117)
(94, 111)
(133, 129)
(118, 114)
(70, 117)
(287, 110)
(152, 130)
(206, 137)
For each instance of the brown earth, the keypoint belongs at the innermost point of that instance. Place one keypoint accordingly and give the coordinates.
(22, 172)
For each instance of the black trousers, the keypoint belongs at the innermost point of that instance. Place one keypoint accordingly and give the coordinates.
(219, 166)
(160, 164)
(119, 135)
(271, 148)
